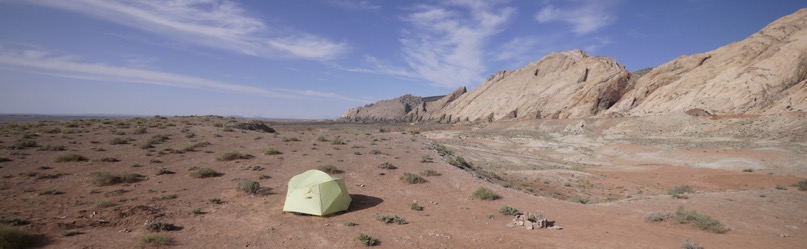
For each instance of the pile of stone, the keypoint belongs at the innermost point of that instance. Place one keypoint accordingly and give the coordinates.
(533, 221)
(254, 125)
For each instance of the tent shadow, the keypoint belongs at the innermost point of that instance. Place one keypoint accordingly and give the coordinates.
(361, 202)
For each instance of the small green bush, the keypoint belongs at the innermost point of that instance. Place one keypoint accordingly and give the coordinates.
(459, 162)
(703, 221)
(104, 178)
(656, 217)
(22, 144)
(195, 146)
(157, 226)
(484, 193)
(391, 219)
(164, 171)
(338, 141)
(414, 206)
(118, 140)
(386, 165)
(141, 130)
(72, 157)
(156, 240)
(802, 185)
(429, 172)
(330, 169)
(366, 240)
(679, 190)
(273, 151)
(204, 173)
(249, 186)
(690, 244)
(13, 238)
(229, 156)
(412, 178)
(507, 210)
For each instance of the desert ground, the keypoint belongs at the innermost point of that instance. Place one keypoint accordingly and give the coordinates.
(98, 183)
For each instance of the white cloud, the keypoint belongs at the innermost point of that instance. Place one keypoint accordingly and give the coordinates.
(587, 17)
(445, 43)
(38, 61)
(355, 4)
(220, 24)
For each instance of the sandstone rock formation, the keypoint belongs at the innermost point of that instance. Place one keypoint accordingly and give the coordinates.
(765, 73)
(385, 110)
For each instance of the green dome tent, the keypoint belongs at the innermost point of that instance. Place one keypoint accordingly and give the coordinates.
(317, 193)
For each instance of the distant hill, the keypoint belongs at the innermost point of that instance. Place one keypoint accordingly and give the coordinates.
(765, 73)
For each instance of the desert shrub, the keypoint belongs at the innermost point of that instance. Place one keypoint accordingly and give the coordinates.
(164, 197)
(702, 221)
(53, 148)
(386, 165)
(195, 146)
(204, 173)
(158, 138)
(391, 219)
(227, 129)
(484, 193)
(579, 199)
(415, 206)
(802, 185)
(442, 150)
(338, 141)
(679, 190)
(690, 244)
(13, 238)
(156, 240)
(22, 144)
(108, 160)
(656, 217)
(330, 169)
(118, 140)
(141, 130)
(249, 186)
(13, 221)
(157, 226)
(50, 191)
(103, 178)
(197, 211)
(780, 187)
(70, 233)
(748, 170)
(459, 162)
(349, 223)
(273, 151)
(5, 159)
(322, 139)
(412, 178)
(164, 171)
(375, 152)
(291, 139)
(429, 172)
(426, 159)
(229, 156)
(72, 157)
(366, 240)
(216, 201)
(507, 210)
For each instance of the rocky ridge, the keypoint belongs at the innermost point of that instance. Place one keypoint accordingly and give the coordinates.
(765, 73)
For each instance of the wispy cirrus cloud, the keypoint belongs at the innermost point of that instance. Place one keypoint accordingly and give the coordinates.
(43, 62)
(445, 44)
(355, 4)
(585, 16)
(221, 24)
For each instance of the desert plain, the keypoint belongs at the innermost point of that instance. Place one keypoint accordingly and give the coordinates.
(605, 182)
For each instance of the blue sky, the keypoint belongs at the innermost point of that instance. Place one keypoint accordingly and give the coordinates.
(315, 59)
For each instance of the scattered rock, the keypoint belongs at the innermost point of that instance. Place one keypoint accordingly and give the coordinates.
(254, 125)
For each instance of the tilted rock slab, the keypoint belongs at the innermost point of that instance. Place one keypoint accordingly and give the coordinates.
(764, 74)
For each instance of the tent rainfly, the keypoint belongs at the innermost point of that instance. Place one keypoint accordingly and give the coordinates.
(317, 193)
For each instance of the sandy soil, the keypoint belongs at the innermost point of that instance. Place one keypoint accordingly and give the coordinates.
(621, 175)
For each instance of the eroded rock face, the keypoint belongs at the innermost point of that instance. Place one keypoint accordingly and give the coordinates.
(385, 110)
(765, 73)
(569, 84)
